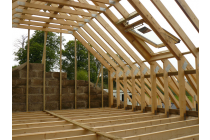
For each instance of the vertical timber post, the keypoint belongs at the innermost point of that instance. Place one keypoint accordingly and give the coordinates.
(89, 77)
(153, 88)
(142, 91)
(133, 90)
(110, 79)
(109, 104)
(166, 67)
(110, 89)
(27, 82)
(75, 59)
(60, 71)
(44, 72)
(125, 89)
(197, 78)
(182, 100)
(102, 86)
(118, 87)
(98, 76)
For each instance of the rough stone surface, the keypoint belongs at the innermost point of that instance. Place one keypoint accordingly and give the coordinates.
(52, 91)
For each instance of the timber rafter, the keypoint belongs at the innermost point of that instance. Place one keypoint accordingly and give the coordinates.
(144, 83)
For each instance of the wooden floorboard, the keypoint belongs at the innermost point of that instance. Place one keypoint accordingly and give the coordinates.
(120, 123)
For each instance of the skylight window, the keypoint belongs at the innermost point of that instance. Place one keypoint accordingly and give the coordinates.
(145, 33)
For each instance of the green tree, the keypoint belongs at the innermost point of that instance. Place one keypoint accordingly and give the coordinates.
(82, 75)
(68, 61)
(36, 50)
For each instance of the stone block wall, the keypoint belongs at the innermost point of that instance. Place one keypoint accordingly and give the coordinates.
(52, 91)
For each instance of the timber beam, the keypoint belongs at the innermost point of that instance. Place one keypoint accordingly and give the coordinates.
(86, 127)
(41, 29)
(65, 27)
(175, 25)
(131, 16)
(45, 20)
(52, 15)
(156, 27)
(161, 74)
(165, 55)
(189, 13)
(49, 8)
(76, 4)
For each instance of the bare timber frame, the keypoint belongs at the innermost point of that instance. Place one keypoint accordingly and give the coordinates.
(145, 84)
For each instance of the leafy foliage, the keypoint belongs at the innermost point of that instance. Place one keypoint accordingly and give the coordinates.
(68, 57)
(68, 61)
(82, 75)
(36, 50)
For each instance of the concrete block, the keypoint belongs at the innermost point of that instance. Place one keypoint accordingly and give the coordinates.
(15, 74)
(36, 66)
(67, 105)
(48, 90)
(92, 90)
(33, 74)
(85, 89)
(64, 75)
(39, 74)
(66, 90)
(36, 82)
(52, 106)
(35, 98)
(92, 84)
(98, 91)
(93, 97)
(99, 96)
(35, 106)
(94, 104)
(49, 75)
(67, 97)
(18, 90)
(57, 75)
(13, 82)
(81, 105)
(19, 107)
(106, 97)
(80, 89)
(18, 98)
(82, 83)
(82, 96)
(72, 89)
(20, 82)
(53, 83)
(52, 97)
(68, 83)
(106, 103)
(56, 90)
(22, 74)
(35, 90)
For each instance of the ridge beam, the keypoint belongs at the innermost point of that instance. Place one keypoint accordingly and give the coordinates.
(55, 9)
(76, 4)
